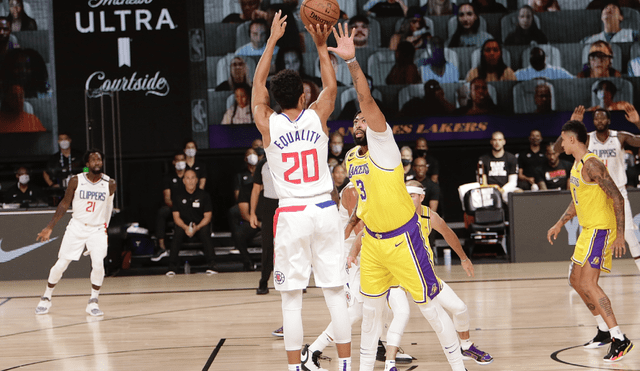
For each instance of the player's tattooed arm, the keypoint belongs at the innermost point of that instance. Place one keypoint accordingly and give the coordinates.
(552, 233)
(597, 172)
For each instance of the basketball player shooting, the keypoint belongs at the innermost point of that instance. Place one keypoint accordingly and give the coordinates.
(91, 198)
(307, 224)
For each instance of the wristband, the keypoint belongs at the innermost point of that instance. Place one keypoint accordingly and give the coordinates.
(351, 60)
(464, 260)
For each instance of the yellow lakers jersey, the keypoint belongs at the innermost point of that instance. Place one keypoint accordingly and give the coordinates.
(384, 203)
(425, 215)
(593, 207)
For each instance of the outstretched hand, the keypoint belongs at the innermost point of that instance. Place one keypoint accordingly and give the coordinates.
(44, 235)
(345, 49)
(278, 26)
(632, 114)
(319, 33)
(578, 113)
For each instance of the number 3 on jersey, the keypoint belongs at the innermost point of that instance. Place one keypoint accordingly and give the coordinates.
(363, 193)
(309, 159)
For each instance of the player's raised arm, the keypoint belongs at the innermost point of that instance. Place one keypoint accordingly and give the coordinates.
(325, 103)
(259, 93)
(63, 206)
(347, 51)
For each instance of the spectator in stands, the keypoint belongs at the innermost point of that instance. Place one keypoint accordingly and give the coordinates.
(190, 149)
(258, 32)
(291, 58)
(554, 173)
(440, 7)
(20, 21)
(63, 164)
(172, 184)
(240, 111)
(250, 11)
(414, 30)
(361, 32)
(492, 66)
(339, 176)
(605, 92)
(611, 17)
(26, 67)
(404, 71)
(540, 69)
(468, 29)
(238, 74)
(433, 166)
(385, 8)
(433, 103)
(540, 6)
(634, 67)
(13, 119)
(530, 160)
(311, 92)
(406, 154)
(600, 61)
(542, 98)
(481, 103)
(192, 212)
(601, 4)
(23, 192)
(527, 30)
(337, 149)
(436, 67)
(500, 167)
(488, 6)
(7, 40)
(292, 37)
(431, 189)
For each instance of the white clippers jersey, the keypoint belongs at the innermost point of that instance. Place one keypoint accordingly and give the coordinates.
(612, 155)
(90, 200)
(344, 219)
(297, 156)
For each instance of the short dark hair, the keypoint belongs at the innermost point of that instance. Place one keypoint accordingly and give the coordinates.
(258, 21)
(358, 18)
(356, 115)
(606, 112)
(85, 158)
(190, 140)
(578, 129)
(287, 88)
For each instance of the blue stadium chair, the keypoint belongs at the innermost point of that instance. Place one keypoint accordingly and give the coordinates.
(350, 94)
(625, 90)
(554, 57)
(475, 57)
(509, 22)
(342, 71)
(573, 4)
(379, 65)
(229, 7)
(523, 96)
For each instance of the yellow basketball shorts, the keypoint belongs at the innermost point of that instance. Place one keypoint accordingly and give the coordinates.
(594, 247)
(398, 258)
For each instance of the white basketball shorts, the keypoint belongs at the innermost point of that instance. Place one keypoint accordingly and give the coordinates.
(78, 235)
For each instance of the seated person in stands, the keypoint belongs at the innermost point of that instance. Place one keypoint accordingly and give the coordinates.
(27, 68)
(606, 91)
(492, 66)
(540, 69)
(431, 189)
(414, 30)
(250, 11)
(63, 164)
(468, 29)
(481, 103)
(23, 192)
(258, 32)
(406, 155)
(554, 172)
(433, 103)
(488, 6)
(339, 176)
(436, 66)
(361, 32)
(601, 4)
(542, 98)
(530, 160)
(20, 21)
(192, 212)
(240, 111)
(311, 92)
(190, 149)
(7, 40)
(600, 61)
(404, 71)
(291, 58)
(500, 167)
(238, 74)
(611, 17)
(540, 6)
(172, 184)
(385, 8)
(527, 30)
(12, 117)
(440, 7)
(337, 149)
(433, 166)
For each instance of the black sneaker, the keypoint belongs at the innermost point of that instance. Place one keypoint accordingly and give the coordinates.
(601, 339)
(619, 348)
(159, 255)
(311, 363)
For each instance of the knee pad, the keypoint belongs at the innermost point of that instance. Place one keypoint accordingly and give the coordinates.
(401, 312)
(453, 304)
(371, 324)
(55, 274)
(97, 272)
(335, 299)
(292, 319)
(431, 314)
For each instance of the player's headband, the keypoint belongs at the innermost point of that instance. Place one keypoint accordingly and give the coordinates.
(414, 189)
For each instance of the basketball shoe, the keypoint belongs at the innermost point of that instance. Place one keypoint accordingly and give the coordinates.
(475, 354)
(279, 332)
(43, 305)
(93, 309)
(601, 339)
(619, 348)
(310, 362)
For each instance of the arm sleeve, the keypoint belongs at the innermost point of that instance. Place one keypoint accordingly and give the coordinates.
(383, 148)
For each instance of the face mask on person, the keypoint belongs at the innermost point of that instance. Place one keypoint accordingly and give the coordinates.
(336, 148)
(406, 162)
(64, 144)
(181, 165)
(252, 159)
(23, 179)
(421, 153)
(191, 152)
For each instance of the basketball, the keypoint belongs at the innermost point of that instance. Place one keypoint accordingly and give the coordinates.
(321, 12)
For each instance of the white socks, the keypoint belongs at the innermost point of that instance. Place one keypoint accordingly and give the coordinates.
(388, 365)
(616, 333)
(602, 325)
(48, 292)
(465, 344)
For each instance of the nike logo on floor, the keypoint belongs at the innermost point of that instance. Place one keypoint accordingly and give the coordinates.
(6, 256)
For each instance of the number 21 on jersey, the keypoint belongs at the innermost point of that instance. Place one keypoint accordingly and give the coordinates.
(91, 206)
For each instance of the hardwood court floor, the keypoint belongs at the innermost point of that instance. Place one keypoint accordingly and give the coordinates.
(523, 314)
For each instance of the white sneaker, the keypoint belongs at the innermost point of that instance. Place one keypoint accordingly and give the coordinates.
(93, 309)
(170, 273)
(43, 305)
(211, 272)
(161, 254)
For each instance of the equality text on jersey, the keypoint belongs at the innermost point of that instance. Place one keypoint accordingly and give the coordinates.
(296, 136)
(89, 195)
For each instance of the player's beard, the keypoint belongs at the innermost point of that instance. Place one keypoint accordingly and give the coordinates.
(360, 141)
(95, 172)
